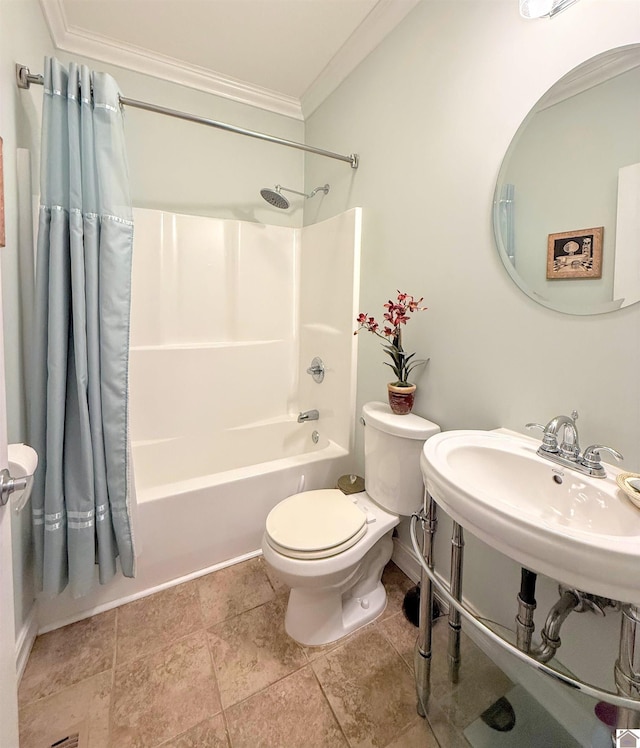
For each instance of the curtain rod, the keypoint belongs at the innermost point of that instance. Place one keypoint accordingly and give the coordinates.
(24, 79)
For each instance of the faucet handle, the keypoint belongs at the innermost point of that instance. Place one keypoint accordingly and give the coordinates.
(535, 426)
(591, 458)
(549, 440)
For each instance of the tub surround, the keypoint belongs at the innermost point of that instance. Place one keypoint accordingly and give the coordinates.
(225, 316)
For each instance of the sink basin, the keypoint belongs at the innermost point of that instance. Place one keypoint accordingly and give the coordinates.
(580, 530)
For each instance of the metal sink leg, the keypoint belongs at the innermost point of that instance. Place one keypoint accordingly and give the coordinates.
(422, 660)
(457, 548)
(627, 670)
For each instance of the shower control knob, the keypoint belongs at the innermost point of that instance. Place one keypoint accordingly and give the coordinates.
(316, 370)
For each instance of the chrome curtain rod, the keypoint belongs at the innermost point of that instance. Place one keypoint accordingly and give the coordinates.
(24, 79)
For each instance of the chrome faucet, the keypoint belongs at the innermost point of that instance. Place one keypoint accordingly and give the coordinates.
(567, 453)
(308, 415)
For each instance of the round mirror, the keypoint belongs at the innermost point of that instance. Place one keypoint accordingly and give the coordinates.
(566, 212)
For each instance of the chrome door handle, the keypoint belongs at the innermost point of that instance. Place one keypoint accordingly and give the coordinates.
(8, 485)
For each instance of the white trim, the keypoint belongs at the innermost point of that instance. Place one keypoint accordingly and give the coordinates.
(149, 591)
(384, 17)
(405, 559)
(590, 74)
(24, 642)
(81, 42)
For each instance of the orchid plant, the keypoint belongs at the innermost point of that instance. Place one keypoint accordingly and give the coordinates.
(396, 315)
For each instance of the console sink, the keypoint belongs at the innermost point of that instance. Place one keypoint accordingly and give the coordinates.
(580, 530)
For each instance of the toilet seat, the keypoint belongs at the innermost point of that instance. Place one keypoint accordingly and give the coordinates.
(315, 524)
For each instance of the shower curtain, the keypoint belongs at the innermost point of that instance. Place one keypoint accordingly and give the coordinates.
(78, 409)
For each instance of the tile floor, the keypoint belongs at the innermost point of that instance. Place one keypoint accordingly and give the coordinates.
(207, 664)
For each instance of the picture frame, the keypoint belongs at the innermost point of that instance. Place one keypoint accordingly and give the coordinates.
(575, 254)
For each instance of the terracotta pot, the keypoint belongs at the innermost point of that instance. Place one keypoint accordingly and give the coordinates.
(401, 398)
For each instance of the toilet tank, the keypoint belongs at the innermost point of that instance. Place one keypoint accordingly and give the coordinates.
(392, 447)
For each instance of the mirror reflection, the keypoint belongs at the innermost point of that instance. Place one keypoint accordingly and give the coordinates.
(567, 202)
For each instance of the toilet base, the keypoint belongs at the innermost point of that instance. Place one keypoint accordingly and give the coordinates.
(317, 616)
(315, 619)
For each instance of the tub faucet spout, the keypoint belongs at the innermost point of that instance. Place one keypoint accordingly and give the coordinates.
(308, 415)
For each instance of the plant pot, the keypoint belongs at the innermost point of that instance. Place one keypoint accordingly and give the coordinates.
(401, 398)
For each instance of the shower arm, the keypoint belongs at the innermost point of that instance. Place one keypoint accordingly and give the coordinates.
(325, 189)
(24, 79)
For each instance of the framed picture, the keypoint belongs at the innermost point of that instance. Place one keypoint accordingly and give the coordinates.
(2, 235)
(575, 254)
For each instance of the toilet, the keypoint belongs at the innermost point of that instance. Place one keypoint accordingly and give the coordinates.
(331, 549)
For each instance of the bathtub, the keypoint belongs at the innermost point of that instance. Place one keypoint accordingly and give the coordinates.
(191, 520)
(191, 527)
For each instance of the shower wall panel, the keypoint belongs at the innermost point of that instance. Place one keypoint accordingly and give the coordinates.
(213, 324)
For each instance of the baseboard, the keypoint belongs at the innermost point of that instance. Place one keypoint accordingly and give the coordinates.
(404, 558)
(117, 602)
(24, 642)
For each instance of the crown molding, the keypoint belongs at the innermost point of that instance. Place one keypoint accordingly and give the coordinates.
(80, 42)
(592, 73)
(384, 17)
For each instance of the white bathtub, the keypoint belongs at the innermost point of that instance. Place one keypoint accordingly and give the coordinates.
(188, 528)
(190, 525)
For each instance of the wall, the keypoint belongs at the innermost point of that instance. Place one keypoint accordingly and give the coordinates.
(174, 165)
(23, 35)
(431, 112)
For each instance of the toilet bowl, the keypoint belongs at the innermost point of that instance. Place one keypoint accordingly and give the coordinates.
(331, 548)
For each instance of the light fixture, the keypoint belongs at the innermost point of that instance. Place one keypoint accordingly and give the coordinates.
(543, 8)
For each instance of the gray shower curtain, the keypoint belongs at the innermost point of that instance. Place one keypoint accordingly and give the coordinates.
(79, 402)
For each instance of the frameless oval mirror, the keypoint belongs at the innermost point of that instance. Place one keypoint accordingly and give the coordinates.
(566, 212)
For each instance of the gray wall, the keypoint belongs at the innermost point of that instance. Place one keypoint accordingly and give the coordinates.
(24, 38)
(431, 112)
(174, 165)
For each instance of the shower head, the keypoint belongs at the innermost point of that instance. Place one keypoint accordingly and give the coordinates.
(275, 197)
(278, 200)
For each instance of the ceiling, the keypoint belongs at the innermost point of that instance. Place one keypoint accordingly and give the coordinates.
(282, 55)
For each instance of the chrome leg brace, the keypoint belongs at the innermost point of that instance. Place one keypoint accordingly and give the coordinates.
(422, 660)
(457, 547)
(627, 670)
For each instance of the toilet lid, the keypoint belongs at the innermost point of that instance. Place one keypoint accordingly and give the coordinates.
(316, 523)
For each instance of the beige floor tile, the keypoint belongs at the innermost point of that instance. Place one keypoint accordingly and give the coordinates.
(252, 651)
(401, 634)
(481, 681)
(233, 590)
(313, 653)
(84, 706)
(211, 733)
(69, 655)
(419, 735)
(370, 689)
(396, 583)
(162, 695)
(447, 734)
(156, 621)
(292, 713)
